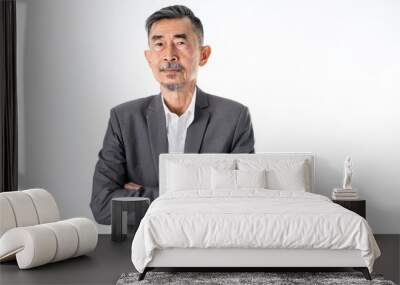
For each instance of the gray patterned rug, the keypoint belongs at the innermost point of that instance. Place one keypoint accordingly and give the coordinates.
(269, 278)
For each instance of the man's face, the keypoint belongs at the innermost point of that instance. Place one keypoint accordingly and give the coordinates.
(175, 53)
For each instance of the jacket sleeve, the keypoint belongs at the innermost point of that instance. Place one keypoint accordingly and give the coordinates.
(110, 174)
(243, 138)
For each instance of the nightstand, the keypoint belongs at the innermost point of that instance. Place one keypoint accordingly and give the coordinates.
(357, 206)
(135, 207)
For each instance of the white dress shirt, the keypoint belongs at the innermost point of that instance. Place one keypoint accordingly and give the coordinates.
(178, 125)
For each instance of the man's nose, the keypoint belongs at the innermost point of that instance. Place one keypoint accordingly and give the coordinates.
(170, 54)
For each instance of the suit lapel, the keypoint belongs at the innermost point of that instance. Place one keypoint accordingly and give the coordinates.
(156, 129)
(197, 129)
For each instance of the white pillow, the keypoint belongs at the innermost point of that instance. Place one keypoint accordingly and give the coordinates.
(183, 178)
(235, 179)
(251, 178)
(223, 179)
(282, 174)
(184, 175)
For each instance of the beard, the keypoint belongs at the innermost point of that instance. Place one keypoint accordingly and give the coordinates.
(172, 86)
(176, 66)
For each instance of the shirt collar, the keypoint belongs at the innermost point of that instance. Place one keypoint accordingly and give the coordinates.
(189, 110)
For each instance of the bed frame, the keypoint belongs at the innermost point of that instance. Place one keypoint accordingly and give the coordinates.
(242, 259)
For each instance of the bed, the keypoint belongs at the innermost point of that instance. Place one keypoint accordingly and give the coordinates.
(245, 211)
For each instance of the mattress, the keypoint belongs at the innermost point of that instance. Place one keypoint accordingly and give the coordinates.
(251, 219)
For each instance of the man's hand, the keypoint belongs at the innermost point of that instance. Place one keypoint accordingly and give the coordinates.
(132, 186)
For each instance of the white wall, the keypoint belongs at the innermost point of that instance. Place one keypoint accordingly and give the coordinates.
(320, 76)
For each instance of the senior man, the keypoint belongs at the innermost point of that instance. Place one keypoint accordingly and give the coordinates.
(181, 118)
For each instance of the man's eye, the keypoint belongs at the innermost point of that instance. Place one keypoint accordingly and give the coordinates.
(181, 43)
(157, 45)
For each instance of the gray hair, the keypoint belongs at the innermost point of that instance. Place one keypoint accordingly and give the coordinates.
(176, 12)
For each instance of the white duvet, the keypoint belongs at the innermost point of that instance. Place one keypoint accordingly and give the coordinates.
(250, 218)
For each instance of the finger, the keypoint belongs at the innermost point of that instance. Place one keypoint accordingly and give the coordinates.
(134, 184)
(129, 186)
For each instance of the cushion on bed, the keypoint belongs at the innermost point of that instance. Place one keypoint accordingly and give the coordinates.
(226, 179)
(211, 174)
(223, 179)
(251, 178)
(282, 174)
(188, 175)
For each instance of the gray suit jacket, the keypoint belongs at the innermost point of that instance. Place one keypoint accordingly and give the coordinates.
(137, 134)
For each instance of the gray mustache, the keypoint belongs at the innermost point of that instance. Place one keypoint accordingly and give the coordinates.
(171, 66)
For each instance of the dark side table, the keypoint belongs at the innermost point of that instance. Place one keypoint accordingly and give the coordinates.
(357, 206)
(126, 214)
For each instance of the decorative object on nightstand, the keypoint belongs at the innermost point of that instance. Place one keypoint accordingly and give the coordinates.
(348, 173)
(346, 192)
(357, 206)
(121, 208)
(347, 196)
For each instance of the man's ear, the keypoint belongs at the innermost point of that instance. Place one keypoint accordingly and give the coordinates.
(204, 55)
(147, 55)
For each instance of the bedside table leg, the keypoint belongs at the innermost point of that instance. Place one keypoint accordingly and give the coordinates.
(364, 271)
